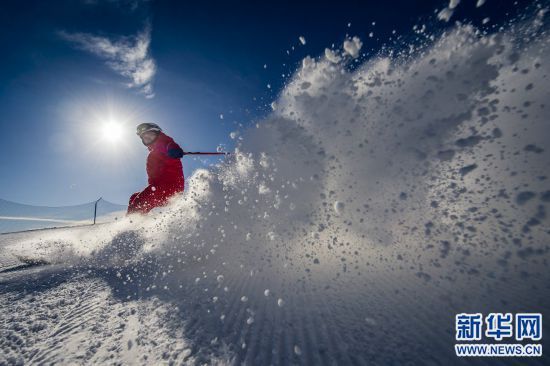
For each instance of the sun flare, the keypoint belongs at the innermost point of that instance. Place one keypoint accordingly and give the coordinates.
(112, 131)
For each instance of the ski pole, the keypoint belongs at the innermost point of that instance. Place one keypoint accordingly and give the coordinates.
(205, 153)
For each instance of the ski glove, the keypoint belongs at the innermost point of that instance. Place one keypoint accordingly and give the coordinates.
(175, 153)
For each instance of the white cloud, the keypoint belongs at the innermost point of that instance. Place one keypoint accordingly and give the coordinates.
(128, 56)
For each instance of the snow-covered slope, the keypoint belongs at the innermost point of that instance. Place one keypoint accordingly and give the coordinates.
(352, 224)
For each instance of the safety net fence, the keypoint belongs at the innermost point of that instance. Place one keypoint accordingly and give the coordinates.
(16, 217)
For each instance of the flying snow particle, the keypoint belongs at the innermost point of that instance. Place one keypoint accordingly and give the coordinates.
(445, 14)
(537, 22)
(220, 278)
(370, 321)
(280, 302)
(332, 56)
(244, 299)
(308, 62)
(266, 292)
(250, 320)
(302, 40)
(353, 46)
(480, 3)
(263, 189)
(338, 207)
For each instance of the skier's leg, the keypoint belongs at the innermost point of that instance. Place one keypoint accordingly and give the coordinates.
(144, 201)
(166, 192)
(152, 196)
(131, 206)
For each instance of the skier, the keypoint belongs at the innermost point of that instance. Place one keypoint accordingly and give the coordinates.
(164, 170)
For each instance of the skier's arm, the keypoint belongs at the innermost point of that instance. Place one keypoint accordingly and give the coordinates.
(174, 150)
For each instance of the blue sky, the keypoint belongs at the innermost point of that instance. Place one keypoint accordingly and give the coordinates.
(70, 67)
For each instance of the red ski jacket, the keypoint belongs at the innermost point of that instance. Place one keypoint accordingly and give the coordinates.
(163, 163)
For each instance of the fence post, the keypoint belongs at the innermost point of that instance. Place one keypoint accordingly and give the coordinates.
(95, 209)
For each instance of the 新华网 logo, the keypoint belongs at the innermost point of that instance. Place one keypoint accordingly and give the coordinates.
(523, 327)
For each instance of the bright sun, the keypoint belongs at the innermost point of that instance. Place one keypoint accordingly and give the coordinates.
(112, 131)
